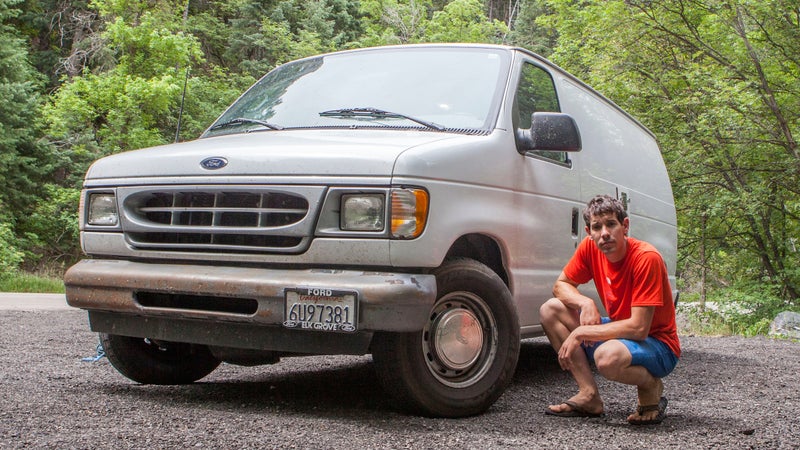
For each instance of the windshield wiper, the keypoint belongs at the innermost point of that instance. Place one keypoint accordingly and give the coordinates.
(378, 114)
(244, 120)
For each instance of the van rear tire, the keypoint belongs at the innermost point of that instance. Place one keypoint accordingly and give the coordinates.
(466, 355)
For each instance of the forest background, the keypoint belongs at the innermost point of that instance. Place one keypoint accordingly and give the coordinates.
(718, 82)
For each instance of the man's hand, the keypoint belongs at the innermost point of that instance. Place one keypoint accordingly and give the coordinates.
(568, 347)
(589, 314)
(566, 290)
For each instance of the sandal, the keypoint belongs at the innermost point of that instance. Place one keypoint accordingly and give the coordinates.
(661, 407)
(575, 410)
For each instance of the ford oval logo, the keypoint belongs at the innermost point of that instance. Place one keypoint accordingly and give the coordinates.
(214, 163)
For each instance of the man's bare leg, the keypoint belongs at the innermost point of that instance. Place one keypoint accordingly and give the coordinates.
(613, 360)
(558, 322)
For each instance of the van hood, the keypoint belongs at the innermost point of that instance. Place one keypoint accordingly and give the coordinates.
(289, 152)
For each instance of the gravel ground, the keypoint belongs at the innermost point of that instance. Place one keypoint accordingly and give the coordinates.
(727, 392)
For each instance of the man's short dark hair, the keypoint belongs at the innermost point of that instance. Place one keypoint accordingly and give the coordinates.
(604, 204)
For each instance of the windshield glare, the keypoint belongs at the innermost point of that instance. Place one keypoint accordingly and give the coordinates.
(456, 88)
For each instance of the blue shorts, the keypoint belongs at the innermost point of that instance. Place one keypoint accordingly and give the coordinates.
(650, 353)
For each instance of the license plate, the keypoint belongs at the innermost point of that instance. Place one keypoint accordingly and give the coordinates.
(321, 309)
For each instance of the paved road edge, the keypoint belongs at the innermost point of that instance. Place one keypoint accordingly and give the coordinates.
(15, 301)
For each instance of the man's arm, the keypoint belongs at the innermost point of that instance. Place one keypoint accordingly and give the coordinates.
(566, 290)
(636, 328)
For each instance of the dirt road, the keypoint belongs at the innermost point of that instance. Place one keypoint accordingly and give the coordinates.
(726, 393)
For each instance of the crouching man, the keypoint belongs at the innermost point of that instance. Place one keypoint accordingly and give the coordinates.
(637, 343)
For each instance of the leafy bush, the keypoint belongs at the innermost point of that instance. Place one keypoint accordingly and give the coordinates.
(51, 236)
(702, 321)
(745, 309)
(10, 257)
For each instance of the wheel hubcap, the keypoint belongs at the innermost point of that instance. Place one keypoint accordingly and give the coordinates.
(460, 340)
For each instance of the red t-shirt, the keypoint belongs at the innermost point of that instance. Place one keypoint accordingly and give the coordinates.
(640, 279)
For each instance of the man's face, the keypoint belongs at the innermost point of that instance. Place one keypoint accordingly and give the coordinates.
(609, 235)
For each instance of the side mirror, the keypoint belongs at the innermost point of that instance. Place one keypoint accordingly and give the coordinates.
(550, 131)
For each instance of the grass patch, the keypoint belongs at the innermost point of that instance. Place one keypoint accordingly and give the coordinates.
(25, 282)
(731, 311)
(694, 320)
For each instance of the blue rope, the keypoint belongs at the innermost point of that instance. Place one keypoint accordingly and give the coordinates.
(101, 352)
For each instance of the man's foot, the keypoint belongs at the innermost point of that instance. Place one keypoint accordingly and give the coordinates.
(652, 404)
(577, 406)
(570, 409)
(649, 414)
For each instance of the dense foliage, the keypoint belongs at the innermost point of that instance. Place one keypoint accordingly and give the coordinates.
(717, 80)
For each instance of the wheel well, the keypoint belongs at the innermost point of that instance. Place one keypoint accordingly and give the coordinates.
(482, 249)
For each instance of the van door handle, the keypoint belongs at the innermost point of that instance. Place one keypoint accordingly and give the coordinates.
(575, 222)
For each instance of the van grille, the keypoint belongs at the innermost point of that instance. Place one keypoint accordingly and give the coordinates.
(228, 219)
(224, 209)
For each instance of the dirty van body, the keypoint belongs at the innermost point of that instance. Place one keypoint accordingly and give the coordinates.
(415, 203)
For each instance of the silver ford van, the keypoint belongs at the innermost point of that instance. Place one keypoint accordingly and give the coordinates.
(415, 203)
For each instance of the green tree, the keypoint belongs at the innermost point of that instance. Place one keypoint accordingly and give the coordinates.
(61, 35)
(135, 103)
(526, 30)
(10, 256)
(394, 21)
(24, 160)
(465, 21)
(413, 21)
(49, 234)
(253, 36)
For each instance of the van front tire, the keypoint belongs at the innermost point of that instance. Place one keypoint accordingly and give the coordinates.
(465, 357)
(158, 362)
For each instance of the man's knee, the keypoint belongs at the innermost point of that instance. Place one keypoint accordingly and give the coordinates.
(611, 357)
(550, 310)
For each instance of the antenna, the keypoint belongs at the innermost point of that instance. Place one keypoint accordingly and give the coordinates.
(185, 80)
(183, 99)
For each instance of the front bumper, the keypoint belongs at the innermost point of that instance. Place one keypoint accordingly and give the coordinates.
(108, 289)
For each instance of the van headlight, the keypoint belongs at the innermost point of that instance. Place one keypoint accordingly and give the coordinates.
(363, 212)
(102, 210)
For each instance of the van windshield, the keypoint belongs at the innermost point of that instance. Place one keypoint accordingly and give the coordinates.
(432, 88)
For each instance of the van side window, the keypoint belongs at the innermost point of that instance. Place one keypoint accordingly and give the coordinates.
(536, 93)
